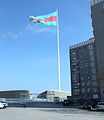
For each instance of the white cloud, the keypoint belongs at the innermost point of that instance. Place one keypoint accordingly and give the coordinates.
(11, 34)
(39, 29)
(30, 29)
(8, 35)
(3, 35)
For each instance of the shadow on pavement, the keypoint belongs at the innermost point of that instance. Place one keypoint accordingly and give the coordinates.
(37, 105)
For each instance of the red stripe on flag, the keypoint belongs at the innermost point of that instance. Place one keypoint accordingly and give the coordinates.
(32, 19)
(50, 19)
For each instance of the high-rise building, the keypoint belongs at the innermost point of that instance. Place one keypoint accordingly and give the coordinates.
(97, 14)
(84, 84)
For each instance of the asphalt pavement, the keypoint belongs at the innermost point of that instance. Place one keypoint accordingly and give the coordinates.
(14, 113)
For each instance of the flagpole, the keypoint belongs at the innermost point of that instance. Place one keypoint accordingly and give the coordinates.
(59, 88)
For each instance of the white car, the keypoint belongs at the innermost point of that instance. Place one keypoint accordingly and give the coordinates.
(1, 105)
(100, 106)
(4, 103)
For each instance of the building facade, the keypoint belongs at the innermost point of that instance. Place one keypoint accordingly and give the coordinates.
(97, 14)
(84, 84)
(50, 95)
(15, 94)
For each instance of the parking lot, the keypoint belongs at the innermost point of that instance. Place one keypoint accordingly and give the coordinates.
(13, 113)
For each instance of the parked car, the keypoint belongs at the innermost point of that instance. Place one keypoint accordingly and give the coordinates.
(1, 105)
(90, 104)
(86, 105)
(67, 102)
(56, 99)
(100, 106)
(4, 103)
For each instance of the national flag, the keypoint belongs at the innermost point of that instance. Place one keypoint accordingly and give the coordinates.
(49, 19)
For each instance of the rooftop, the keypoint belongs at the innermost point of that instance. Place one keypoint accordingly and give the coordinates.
(91, 40)
(93, 2)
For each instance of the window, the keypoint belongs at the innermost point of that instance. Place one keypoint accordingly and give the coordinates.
(88, 83)
(93, 70)
(88, 90)
(75, 93)
(88, 77)
(82, 78)
(83, 90)
(76, 87)
(83, 84)
(76, 84)
(94, 90)
(93, 77)
(76, 90)
(96, 1)
(94, 83)
(92, 64)
(92, 58)
(75, 81)
(90, 47)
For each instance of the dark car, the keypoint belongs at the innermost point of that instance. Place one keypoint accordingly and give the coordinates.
(67, 102)
(86, 105)
(90, 104)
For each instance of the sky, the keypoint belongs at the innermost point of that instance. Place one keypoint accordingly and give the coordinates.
(28, 51)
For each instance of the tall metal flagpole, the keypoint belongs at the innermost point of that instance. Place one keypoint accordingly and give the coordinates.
(59, 88)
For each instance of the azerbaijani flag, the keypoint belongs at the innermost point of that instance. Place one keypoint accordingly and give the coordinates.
(49, 19)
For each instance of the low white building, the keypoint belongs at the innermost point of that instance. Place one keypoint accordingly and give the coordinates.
(51, 94)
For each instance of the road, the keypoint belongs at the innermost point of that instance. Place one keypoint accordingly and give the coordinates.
(13, 113)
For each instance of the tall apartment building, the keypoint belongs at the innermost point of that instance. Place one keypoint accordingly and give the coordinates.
(97, 14)
(84, 84)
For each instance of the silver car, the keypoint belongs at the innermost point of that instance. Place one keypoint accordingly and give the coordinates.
(100, 106)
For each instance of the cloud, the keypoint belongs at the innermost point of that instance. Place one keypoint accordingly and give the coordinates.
(39, 29)
(3, 35)
(11, 34)
(8, 35)
(30, 29)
